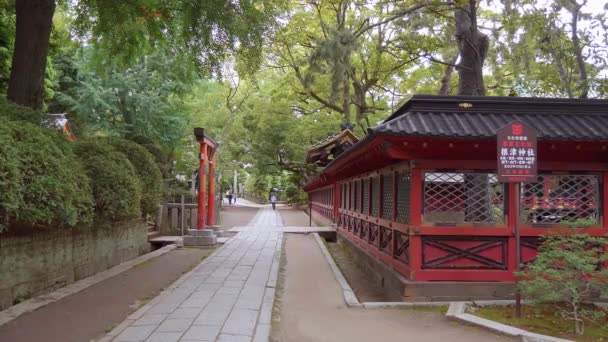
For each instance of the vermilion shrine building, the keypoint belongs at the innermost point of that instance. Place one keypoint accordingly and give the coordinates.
(418, 195)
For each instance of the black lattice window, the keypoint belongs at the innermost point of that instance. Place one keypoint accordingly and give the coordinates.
(403, 197)
(365, 196)
(352, 195)
(562, 199)
(347, 196)
(452, 198)
(357, 192)
(402, 247)
(387, 196)
(375, 195)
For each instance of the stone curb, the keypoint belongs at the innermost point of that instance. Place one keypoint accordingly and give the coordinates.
(457, 312)
(349, 295)
(35, 303)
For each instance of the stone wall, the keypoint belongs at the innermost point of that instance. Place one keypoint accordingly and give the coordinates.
(41, 261)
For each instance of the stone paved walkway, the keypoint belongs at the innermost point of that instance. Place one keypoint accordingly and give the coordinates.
(228, 297)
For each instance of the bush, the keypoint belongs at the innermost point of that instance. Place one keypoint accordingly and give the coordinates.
(567, 269)
(12, 112)
(147, 171)
(9, 177)
(116, 187)
(40, 181)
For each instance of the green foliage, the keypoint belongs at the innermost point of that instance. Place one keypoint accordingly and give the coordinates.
(143, 101)
(11, 111)
(116, 187)
(204, 31)
(567, 270)
(7, 41)
(146, 169)
(581, 223)
(40, 182)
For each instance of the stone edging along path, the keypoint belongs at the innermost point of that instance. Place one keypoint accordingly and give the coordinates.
(32, 304)
(456, 310)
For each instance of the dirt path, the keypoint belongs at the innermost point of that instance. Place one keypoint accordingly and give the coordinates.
(92, 312)
(312, 308)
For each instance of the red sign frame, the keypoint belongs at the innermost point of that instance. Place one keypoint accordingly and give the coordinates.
(516, 153)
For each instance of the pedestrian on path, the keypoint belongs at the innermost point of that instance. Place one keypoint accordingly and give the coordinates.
(273, 200)
(230, 198)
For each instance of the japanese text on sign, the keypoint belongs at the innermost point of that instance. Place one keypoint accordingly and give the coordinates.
(517, 154)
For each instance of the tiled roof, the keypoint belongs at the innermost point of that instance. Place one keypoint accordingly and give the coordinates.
(485, 125)
(481, 117)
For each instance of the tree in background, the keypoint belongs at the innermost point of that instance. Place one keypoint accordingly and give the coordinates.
(206, 32)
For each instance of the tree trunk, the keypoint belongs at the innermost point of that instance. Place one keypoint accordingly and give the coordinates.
(473, 48)
(32, 35)
(578, 50)
(447, 77)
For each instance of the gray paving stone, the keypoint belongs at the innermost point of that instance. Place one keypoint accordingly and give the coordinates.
(150, 319)
(134, 334)
(237, 277)
(262, 333)
(164, 337)
(213, 315)
(233, 338)
(185, 313)
(202, 333)
(226, 294)
(269, 295)
(229, 290)
(234, 283)
(195, 302)
(209, 287)
(175, 325)
(241, 322)
(265, 314)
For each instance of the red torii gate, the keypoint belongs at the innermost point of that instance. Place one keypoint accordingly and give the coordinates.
(208, 146)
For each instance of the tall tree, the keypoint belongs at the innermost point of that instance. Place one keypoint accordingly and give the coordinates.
(205, 31)
(33, 32)
(473, 48)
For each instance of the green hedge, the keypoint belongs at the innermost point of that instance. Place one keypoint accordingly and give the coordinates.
(116, 186)
(147, 171)
(40, 181)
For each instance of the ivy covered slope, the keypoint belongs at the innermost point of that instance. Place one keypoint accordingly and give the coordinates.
(47, 181)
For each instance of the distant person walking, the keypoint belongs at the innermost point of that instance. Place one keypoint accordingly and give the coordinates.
(230, 198)
(234, 198)
(273, 200)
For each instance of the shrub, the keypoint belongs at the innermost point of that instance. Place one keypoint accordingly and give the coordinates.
(147, 171)
(9, 177)
(12, 112)
(116, 187)
(40, 181)
(567, 269)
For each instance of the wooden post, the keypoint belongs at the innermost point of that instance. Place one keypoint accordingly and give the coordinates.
(183, 213)
(202, 185)
(211, 195)
(517, 248)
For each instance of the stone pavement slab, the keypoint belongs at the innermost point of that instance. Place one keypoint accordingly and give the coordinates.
(227, 297)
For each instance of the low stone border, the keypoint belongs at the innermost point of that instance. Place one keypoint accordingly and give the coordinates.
(457, 312)
(35, 303)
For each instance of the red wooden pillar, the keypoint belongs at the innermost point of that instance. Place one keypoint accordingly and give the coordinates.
(415, 222)
(202, 188)
(211, 194)
(208, 146)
